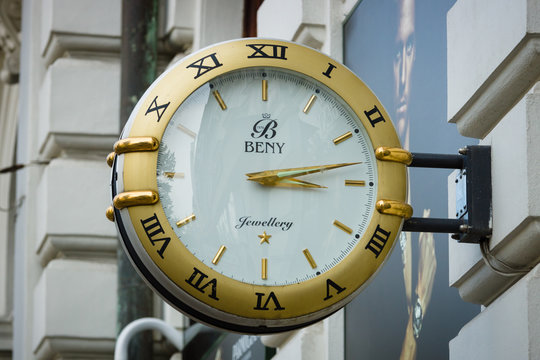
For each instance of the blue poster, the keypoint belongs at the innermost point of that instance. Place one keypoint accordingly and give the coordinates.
(398, 48)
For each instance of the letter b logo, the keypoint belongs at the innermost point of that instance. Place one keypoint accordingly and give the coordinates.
(264, 127)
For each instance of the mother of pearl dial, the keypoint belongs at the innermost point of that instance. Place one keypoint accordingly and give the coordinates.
(264, 119)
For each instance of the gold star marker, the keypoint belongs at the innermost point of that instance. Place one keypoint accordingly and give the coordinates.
(264, 237)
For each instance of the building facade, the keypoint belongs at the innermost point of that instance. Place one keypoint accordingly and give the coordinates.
(59, 116)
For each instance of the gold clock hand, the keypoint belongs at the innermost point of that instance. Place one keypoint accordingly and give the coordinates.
(272, 177)
(294, 183)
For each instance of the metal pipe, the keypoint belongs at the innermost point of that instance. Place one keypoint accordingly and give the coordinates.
(441, 161)
(434, 225)
(132, 329)
(138, 55)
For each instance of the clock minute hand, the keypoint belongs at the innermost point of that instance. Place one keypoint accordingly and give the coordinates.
(273, 177)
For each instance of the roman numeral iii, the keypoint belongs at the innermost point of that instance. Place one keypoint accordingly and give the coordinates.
(378, 241)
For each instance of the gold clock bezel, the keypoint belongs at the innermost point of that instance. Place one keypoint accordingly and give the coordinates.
(304, 302)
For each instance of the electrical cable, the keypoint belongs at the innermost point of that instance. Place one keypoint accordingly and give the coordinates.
(499, 266)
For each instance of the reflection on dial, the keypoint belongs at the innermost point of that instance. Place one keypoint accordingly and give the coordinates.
(266, 118)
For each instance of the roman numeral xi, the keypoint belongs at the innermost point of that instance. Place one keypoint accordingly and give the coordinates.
(205, 64)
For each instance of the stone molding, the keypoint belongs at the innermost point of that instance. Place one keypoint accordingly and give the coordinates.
(10, 43)
(516, 212)
(506, 60)
(501, 90)
(74, 348)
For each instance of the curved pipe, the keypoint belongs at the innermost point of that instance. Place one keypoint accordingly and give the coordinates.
(173, 335)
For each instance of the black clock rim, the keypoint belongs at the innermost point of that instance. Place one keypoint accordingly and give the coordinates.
(196, 315)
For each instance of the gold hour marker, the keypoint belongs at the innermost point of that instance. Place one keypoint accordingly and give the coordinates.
(343, 137)
(187, 131)
(309, 258)
(219, 254)
(219, 100)
(171, 174)
(265, 90)
(264, 268)
(183, 222)
(343, 227)
(355, 183)
(309, 103)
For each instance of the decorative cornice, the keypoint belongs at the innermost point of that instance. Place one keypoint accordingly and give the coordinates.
(10, 44)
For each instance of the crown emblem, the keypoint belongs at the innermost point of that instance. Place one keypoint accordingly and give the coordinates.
(266, 116)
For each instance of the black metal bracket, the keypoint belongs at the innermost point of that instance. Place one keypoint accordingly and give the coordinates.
(473, 187)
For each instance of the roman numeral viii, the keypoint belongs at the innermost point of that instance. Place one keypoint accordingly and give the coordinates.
(378, 241)
(268, 51)
(199, 282)
(152, 227)
(272, 297)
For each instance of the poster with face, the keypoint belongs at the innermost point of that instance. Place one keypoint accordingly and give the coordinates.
(398, 47)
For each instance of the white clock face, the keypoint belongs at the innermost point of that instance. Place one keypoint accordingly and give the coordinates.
(280, 227)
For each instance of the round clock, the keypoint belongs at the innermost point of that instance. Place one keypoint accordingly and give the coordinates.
(258, 185)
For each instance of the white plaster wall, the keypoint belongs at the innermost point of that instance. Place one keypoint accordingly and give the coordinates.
(74, 300)
(8, 207)
(470, 19)
(492, 60)
(72, 195)
(217, 21)
(80, 25)
(507, 329)
(80, 106)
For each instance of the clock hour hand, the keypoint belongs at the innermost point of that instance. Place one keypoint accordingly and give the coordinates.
(274, 177)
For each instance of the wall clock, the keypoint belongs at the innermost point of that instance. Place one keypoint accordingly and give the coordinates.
(258, 185)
